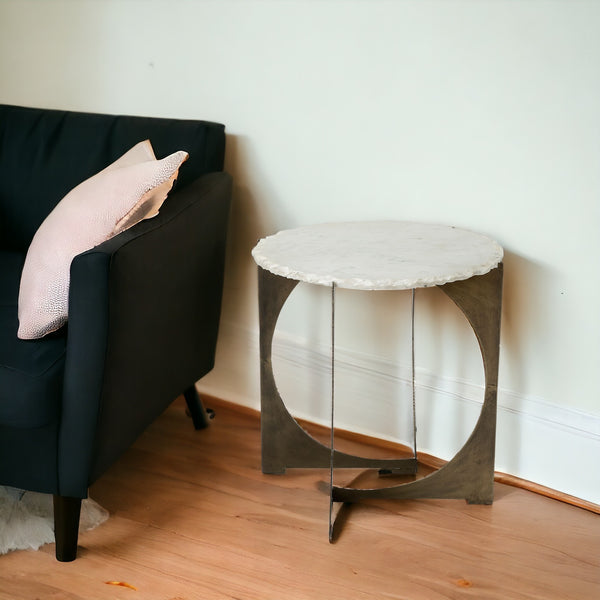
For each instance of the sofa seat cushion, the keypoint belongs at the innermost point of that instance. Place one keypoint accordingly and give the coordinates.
(31, 371)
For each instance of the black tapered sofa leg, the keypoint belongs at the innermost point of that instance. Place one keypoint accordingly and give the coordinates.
(66, 527)
(200, 416)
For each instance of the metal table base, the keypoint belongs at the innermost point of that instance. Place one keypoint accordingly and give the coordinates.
(469, 474)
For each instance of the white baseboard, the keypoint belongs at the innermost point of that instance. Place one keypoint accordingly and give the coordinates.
(551, 445)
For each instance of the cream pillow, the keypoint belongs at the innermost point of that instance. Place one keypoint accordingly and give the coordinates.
(127, 191)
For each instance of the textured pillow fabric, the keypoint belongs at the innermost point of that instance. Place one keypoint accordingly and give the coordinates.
(127, 191)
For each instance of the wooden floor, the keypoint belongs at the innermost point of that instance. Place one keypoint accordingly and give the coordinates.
(192, 516)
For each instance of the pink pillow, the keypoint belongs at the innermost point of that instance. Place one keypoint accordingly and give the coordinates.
(129, 190)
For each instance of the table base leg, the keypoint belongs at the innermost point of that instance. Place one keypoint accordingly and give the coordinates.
(284, 443)
(470, 474)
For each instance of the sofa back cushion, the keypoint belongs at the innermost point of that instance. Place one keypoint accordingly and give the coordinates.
(46, 153)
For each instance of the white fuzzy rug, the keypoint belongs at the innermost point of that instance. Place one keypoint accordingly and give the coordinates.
(27, 522)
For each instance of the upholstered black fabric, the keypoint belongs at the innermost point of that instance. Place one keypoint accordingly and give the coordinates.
(115, 278)
(144, 306)
(31, 451)
(31, 371)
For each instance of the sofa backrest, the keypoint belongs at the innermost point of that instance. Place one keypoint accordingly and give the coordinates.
(45, 153)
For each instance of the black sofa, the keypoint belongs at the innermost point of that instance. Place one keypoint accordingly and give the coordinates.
(143, 307)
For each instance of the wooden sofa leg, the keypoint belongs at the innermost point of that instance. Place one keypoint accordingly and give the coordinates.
(200, 416)
(66, 527)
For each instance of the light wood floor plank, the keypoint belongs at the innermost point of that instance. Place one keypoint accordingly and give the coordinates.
(193, 517)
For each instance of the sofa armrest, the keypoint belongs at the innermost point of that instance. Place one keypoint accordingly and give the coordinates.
(144, 310)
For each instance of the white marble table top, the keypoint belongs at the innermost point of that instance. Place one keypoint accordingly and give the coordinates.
(378, 255)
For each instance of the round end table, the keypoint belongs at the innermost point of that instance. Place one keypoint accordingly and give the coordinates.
(382, 255)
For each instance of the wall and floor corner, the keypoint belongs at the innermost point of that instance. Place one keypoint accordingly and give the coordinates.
(478, 114)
